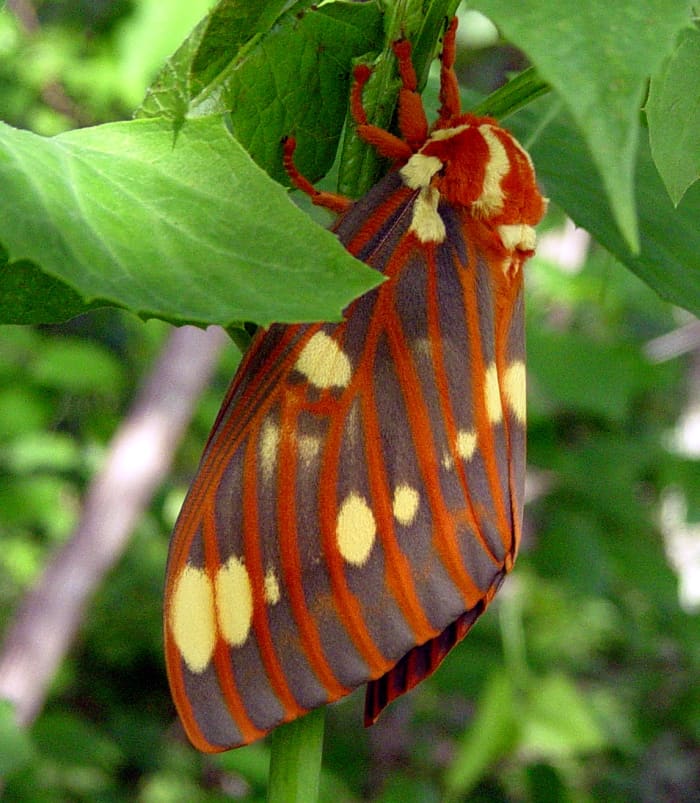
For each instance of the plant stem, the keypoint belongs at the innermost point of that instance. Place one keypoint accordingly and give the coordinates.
(518, 92)
(295, 762)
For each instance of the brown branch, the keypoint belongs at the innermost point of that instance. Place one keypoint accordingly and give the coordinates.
(139, 456)
(25, 13)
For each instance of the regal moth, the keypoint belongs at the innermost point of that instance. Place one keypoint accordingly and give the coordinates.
(360, 496)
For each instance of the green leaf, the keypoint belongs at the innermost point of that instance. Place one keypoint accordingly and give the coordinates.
(556, 720)
(291, 66)
(53, 451)
(598, 56)
(292, 77)
(599, 379)
(179, 226)
(215, 42)
(491, 735)
(72, 741)
(15, 746)
(670, 237)
(545, 785)
(35, 501)
(30, 296)
(78, 366)
(147, 37)
(22, 410)
(673, 111)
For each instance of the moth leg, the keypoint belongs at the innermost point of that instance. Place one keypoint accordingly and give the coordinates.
(384, 142)
(413, 123)
(329, 200)
(450, 104)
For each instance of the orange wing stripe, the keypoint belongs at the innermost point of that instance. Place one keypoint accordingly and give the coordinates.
(291, 564)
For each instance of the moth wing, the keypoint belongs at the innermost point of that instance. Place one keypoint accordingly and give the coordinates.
(359, 492)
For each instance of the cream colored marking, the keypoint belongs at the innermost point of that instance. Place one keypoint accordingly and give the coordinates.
(355, 530)
(522, 150)
(269, 443)
(423, 347)
(271, 588)
(515, 390)
(324, 363)
(448, 133)
(308, 447)
(419, 170)
(492, 394)
(518, 236)
(427, 223)
(352, 426)
(234, 602)
(490, 202)
(191, 616)
(405, 505)
(466, 443)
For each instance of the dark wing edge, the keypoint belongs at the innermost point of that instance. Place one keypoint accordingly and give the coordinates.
(421, 661)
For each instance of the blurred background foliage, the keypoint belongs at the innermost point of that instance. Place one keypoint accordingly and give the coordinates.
(580, 684)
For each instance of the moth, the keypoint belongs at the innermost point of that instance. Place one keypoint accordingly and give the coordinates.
(360, 497)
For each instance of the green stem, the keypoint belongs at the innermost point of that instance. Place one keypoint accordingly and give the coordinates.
(518, 92)
(295, 762)
(423, 23)
(513, 638)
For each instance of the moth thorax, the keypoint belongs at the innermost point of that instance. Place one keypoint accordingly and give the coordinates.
(479, 166)
(475, 161)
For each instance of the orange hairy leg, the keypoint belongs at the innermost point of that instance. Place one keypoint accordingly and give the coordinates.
(329, 200)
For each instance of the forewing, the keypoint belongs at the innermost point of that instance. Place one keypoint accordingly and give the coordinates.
(360, 491)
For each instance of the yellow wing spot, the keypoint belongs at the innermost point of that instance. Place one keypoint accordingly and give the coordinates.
(271, 588)
(234, 602)
(353, 425)
(355, 530)
(492, 395)
(466, 443)
(191, 616)
(324, 363)
(405, 505)
(423, 347)
(491, 199)
(465, 446)
(269, 443)
(515, 390)
(308, 447)
(419, 170)
(426, 222)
